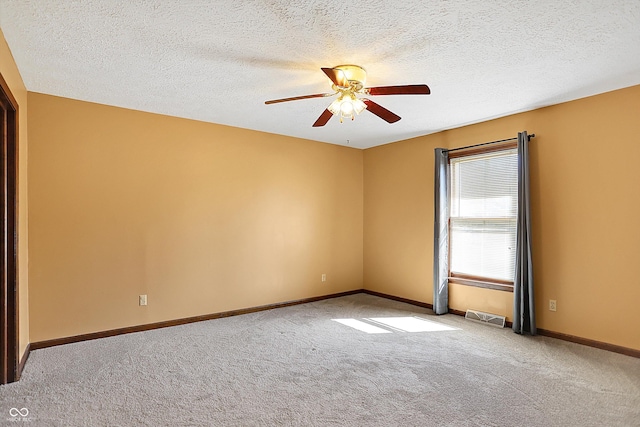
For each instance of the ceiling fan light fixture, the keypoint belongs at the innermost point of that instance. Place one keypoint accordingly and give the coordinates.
(348, 81)
(346, 108)
(335, 106)
(358, 106)
(347, 105)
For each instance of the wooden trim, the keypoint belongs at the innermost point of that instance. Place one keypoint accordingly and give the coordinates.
(168, 323)
(5, 87)
(23, 361)
(457, 312)
(9, 287)
(508, 145)
(481, 283)
(590, 343)
(564, 337)
(395, 298)
(12, 236)
(455, 275)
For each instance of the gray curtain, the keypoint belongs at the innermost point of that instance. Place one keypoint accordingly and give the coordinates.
(441, 234)
(524, 320)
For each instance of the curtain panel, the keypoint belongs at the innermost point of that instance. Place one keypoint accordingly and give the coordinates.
(524, 319)
(441, 233)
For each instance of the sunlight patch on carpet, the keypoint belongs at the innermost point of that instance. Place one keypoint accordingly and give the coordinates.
(362, 326)
(387, 325)
(412, 324)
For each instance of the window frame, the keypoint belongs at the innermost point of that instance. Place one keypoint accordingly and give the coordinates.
(468, 279)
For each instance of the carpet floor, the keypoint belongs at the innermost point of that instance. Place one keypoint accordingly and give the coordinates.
(358, 360)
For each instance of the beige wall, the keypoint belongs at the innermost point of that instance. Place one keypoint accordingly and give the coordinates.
(11, 75)
(200, 217)
(398, 218)
(585, 207)
(205, 218)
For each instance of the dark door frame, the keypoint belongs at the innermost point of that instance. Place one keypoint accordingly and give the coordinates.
(9, 324)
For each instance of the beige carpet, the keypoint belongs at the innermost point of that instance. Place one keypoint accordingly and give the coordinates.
(298, 366)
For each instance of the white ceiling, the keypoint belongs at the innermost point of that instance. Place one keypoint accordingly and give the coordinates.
(218, 61)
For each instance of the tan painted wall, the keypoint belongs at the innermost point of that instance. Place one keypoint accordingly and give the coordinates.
(206, 218)
(11, 75)
(200, 217)
(398, 218)
(585, 208)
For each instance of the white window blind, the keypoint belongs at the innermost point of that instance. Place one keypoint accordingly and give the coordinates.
(483, 212)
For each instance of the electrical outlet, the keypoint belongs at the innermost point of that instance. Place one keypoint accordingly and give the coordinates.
(324, 277)
(142, 300)
(552, 305)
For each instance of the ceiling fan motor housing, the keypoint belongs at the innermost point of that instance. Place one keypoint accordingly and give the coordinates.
(356, 75)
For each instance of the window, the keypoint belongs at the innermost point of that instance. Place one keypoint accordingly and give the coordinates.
(483, 206)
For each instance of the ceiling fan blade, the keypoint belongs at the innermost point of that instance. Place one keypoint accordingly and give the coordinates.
(337, 77)
(381, 112)
(295, 98)
(399, 90)
(323, 119)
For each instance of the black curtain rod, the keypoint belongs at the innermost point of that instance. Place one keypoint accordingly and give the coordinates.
(487, 143)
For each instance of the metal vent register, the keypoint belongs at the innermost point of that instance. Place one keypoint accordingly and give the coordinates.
(488, 318)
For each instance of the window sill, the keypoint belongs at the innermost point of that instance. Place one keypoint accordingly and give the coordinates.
(481, 284)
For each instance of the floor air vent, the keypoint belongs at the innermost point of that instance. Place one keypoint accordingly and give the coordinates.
(488, 318)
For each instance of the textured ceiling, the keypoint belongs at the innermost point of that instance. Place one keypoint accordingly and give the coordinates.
(218, 61)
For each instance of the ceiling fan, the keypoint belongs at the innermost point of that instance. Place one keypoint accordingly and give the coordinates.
(348, 82)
